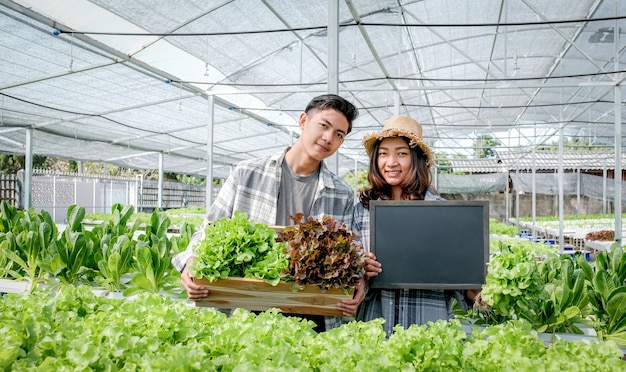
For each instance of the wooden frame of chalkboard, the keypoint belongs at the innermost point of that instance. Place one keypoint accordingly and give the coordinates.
(430, 244)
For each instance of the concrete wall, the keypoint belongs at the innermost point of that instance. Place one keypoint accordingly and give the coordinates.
(545, 205)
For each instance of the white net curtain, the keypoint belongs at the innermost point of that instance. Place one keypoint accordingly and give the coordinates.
(121, 82)
(195, 85)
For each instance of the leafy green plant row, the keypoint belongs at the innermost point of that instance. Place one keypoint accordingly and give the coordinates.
(107, 255)
(537, 249)
(500, 228)
(556, 293)
(73, 330)
(190, 216)
(571, 217)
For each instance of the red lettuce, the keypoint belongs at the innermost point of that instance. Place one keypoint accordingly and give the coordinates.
(322, 253)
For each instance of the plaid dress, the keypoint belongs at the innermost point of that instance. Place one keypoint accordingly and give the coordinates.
(253, 188)
(401, 306)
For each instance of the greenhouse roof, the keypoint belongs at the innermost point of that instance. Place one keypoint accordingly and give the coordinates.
(538, 160)
(125, 82)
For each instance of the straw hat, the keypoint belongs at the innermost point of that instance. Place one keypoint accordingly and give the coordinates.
(400, 126)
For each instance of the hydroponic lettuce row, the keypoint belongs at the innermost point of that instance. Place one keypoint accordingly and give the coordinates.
(115, 254)
(322, 253)
(239, 247)
(73, 330)
(555, 294)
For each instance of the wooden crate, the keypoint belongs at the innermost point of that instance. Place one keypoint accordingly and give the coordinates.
(256, 295)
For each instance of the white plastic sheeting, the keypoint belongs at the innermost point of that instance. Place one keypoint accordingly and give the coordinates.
(124, 81)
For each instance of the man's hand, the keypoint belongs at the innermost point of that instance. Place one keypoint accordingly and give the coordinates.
(195, 292)
(372, 267)
(349, 307)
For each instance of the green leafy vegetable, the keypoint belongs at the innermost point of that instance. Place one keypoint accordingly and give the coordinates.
(115, 262)
(180, 242)
(27, 241)
(606, 285)
(239, 247)
(74, 247)
(73, 330)
(153, 270)
(499, 228)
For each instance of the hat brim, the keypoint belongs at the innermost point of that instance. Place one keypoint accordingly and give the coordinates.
(370, 140)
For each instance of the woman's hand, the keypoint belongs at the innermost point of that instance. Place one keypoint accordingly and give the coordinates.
(372, 267)
(195, 292)
(472, 293)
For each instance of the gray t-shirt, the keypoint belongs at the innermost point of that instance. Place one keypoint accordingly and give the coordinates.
(295, 194)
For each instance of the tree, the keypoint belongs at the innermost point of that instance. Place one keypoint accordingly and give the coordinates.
(361, 179)
(483, 146)
(444, 164)
(11, 164)
(574, 143)
(183, 178)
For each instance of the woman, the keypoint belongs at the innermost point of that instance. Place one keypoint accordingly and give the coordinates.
(399, 169)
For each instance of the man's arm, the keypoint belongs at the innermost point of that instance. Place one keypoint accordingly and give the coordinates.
(222, 207)
(180, 260)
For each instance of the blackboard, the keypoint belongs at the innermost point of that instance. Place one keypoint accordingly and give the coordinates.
(430, 244)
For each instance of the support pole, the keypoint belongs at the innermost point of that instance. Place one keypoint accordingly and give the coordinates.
(617, 174)
(333, 66)
(507, 193)
(534, 195)
(561, 192)
(160, 183)
(517, 196)
(604, 186)
(209, 154)
(28, 169)
(578, 192)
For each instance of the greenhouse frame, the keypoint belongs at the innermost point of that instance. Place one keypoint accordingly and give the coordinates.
(521, 102)
(197, 86)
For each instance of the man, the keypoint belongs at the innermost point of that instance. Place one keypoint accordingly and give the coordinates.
(295, 180)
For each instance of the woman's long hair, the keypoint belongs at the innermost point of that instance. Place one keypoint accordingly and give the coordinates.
(414, 185)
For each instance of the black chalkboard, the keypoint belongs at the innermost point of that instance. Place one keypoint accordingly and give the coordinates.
(430, 244)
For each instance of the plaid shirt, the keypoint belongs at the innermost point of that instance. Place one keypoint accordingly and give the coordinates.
(253, 188)
(401, 306)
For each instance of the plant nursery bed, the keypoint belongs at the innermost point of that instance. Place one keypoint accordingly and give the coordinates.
(14, 286)
(257, 295)
(548, 338)
(598, 245)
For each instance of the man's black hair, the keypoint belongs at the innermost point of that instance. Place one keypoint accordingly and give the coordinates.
(333, 101)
